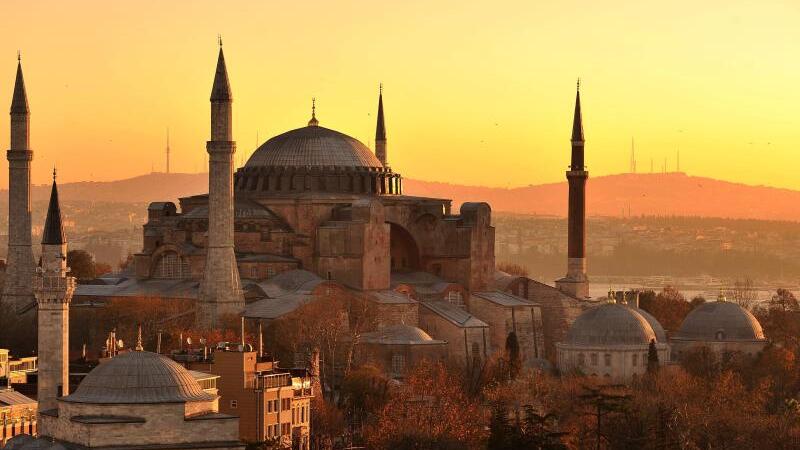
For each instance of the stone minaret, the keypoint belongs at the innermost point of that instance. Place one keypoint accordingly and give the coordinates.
(576, 283)
(53, 289)
(380, 133)
(220, 289)
(20, 265)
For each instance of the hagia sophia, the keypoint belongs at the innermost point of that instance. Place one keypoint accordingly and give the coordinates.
(313, 213)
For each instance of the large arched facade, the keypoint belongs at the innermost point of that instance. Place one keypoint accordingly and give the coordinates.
(403, 249)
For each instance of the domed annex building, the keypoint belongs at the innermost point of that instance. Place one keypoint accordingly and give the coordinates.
(135, 400)
(612, 341)
(722, 326)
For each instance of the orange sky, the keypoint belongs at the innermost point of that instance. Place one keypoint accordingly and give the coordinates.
(475, 92)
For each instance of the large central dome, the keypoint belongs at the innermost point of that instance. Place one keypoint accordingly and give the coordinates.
(313, 146)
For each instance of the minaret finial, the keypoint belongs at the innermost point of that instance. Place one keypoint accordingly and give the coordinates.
(579, 84)
(380, 89)
(313, 122)
(54, 173)
(19, 56)
(219, 40)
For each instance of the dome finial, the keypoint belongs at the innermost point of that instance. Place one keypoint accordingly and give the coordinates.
(721, 296)
(139, 346)
(313, 122)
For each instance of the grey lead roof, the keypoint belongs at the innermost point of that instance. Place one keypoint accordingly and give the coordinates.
(10, 397)
(221, 90)
(53, 233)
(454, 314)
(19, 102)
(503, 299)
(313, 146)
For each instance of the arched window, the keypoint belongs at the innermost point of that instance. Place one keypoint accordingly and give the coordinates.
(593, 357)
(398, 364)
(720, 335)
(607, 359)
(581, 359)
(171, 266)
(635, 359)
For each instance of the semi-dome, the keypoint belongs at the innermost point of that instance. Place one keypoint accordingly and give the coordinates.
(720, 321)
(137, 377)
(611, 324)
(313, 146)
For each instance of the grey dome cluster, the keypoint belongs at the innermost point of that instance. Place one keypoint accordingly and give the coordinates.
(138, 377)
(720, 321)
(614, 324)
(313, 146)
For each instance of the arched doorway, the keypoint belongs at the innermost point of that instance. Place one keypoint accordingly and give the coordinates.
(403, 249)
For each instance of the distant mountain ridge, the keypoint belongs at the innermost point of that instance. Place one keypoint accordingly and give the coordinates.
(675, 194)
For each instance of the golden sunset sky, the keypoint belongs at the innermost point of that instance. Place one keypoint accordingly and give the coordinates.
(476, 92)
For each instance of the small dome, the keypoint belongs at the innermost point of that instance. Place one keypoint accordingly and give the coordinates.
(138, 377)
(313, 146)
(720, 321)
(661, 335)
(398, 334)
(611, 324)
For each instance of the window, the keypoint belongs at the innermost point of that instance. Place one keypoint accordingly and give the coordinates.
(581, 359)
(254, 272)
(234, 404)
(593, 358)
(607, 358)
(635, 360)
(720, 335)
(269, 406)
(398, 364)
(302, 414)
(171, 266)
(454, 298)
(270, 271)
(275, 405)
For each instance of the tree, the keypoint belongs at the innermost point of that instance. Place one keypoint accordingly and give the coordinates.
(669, 306)
(513, 357)
(652, 357)
(513, 269)
(499, 429)
(744, 293)
(600, 402)
(429, 411)
(81, 265)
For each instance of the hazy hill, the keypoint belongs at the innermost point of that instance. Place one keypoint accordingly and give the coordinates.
(643, 194)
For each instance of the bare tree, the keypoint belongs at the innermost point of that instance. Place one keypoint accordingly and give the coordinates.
(744, 293)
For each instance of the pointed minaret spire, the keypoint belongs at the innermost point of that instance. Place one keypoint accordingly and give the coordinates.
(221, 91)
(53, 233)
(577, 120)
(19, 102)
(380, 131)
(313, 122)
